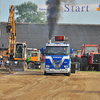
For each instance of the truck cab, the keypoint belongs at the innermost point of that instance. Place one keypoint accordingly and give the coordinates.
(57, 57)
(33, 58)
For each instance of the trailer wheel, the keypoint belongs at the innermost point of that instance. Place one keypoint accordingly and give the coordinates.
(85, 63)
(31, 65)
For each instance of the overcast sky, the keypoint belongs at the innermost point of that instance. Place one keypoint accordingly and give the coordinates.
(66, 18)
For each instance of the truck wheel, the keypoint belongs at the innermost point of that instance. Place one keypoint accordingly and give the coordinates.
(45, 73)
(68, 74)
(31, 65)
(85, 64)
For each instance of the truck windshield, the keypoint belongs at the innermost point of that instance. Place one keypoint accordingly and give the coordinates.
(91, 49)
(57, 50)
(31, 53)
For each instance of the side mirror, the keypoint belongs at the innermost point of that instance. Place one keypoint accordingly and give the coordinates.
(42, 50)
(72, 51)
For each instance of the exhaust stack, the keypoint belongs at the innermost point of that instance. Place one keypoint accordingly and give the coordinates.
(49, 41)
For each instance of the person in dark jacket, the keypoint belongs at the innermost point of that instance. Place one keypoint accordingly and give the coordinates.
(1, 60)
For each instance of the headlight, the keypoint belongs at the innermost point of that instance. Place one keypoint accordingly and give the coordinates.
(47, 66)
(66, 66)
(7, 62)
(16, 62)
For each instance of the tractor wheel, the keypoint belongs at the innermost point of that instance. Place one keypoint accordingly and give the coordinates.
(31, 65)
(97, 68)
(77, 59)
(81, 64)
(85, 64)
(91, 68)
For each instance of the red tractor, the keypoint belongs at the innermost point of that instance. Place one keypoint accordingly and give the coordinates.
(90, 57)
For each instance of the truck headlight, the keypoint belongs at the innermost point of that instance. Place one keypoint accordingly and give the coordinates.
(66, 66)
(47, 66)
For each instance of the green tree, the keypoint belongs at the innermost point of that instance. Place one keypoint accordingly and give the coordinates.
(27, 12)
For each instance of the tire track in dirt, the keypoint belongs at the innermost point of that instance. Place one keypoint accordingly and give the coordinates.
(51, 87)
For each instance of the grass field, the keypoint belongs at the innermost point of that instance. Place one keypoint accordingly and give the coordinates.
(76, 71)
(33, 69)
(90, 71)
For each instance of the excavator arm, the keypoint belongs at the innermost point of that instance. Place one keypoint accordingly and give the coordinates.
(11, 33)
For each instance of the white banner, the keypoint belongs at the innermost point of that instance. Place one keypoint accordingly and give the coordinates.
(73, 8)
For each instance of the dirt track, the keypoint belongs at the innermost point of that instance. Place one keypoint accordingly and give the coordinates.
(36, 86)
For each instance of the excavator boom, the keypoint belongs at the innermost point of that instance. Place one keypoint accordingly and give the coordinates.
(11, 33)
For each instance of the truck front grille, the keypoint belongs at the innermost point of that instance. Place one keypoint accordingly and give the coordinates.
(57, 66)
(96, 58)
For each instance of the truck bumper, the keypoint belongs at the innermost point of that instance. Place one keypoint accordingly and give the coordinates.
(67, 70)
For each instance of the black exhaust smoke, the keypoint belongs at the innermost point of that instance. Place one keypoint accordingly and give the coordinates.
(53, 15)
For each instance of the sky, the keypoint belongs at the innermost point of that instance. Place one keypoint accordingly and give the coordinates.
(65, 18)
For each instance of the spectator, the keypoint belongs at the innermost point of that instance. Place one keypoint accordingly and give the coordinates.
(1, 60)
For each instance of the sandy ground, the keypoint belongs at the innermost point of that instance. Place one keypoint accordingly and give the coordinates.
(35, 86)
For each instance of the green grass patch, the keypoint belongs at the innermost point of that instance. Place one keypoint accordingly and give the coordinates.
(90, 71)
(33, 69)
(0, 71)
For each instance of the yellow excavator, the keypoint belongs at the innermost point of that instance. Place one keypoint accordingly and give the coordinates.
(17, 51)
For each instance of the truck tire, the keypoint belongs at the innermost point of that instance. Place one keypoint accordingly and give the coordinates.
(85, 64)
(31, 65)
(45, 73)
(68, 74)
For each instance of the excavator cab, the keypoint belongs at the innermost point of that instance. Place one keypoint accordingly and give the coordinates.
(21, 50)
